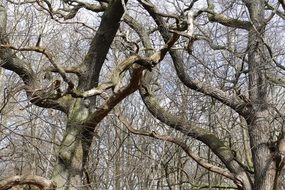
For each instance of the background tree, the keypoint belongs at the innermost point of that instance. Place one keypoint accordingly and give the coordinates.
(210, 74)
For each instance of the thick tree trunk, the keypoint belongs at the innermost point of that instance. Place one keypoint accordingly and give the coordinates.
(263, 158)
(260, 118)
(73, 151)
(74, 148)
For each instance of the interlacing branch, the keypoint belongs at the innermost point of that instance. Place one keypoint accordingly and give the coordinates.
(118, 73)
(48, 55)
(113, 83)
(178, 142)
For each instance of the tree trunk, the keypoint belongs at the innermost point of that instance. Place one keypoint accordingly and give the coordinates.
(260, 118)
(73, 150)
(78, 136)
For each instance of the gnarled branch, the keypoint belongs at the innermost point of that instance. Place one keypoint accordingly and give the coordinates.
(42, 183)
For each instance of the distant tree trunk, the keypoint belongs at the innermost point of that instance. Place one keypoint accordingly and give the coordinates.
(117, 162)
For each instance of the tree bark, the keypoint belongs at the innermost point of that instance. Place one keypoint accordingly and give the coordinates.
(260, 117)
(42, 183)
(68, 170)
(186, 127)
(74, 148)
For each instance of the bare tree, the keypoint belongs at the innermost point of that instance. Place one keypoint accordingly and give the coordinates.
(220, 83)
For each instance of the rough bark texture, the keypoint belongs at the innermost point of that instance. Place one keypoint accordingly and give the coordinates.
(40, 182)
(69, 168)
(83, 113)
(259, 120)
(79, 134)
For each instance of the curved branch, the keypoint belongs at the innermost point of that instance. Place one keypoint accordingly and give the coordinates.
(275, 10)
(230, 100)
(135, 81)
(186, 127)
(227, 21)
(11, 62)
(143, 34)
(49, 56)
(176, 141)
(74, 7)
(233, 101)
(42, 183)
(224, 20)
